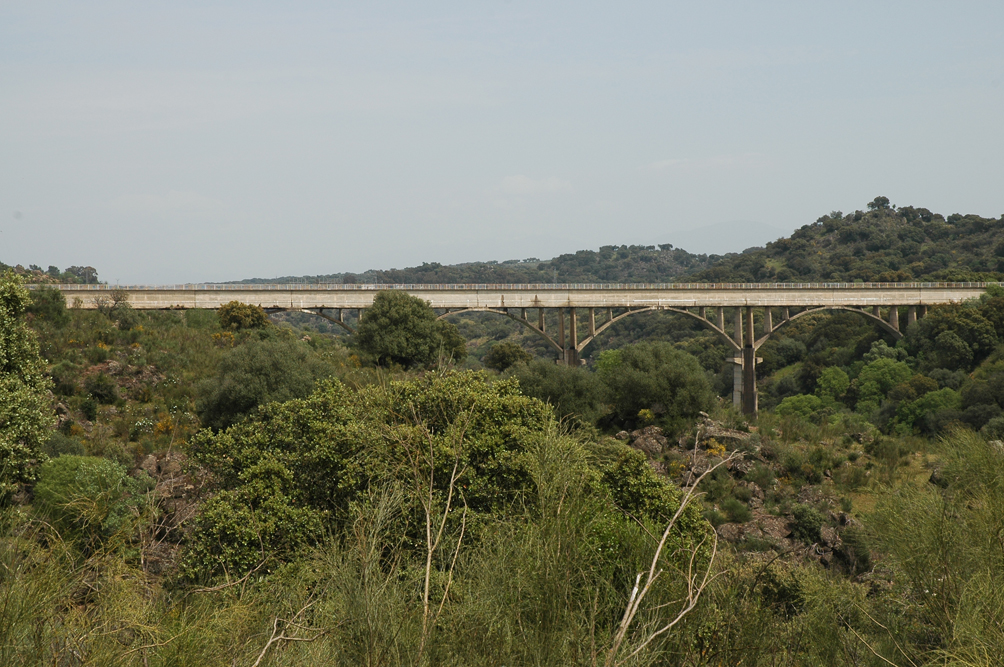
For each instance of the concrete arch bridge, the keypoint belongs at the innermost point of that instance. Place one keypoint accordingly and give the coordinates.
(584, 311)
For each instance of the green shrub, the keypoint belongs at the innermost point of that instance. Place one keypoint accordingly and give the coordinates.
(505, 354)
(89, 407)
(256, 373)
(574, 392)
(761, 475)
(89, 498)
(96, 355)
(808, 522)
(803, 405)
(237, 316)
(736, 511)
(656, 377)
(102, 388)
(49, 305)
(402, 329)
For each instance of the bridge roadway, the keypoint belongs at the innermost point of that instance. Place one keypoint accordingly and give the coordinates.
(576, 306)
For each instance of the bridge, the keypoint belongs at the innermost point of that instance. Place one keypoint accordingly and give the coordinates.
(584, 311)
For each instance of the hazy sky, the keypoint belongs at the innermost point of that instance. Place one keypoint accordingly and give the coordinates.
(198, 141)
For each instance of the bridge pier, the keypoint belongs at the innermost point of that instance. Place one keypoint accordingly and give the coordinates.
(749, 367)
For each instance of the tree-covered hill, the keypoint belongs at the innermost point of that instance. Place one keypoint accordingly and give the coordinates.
(884, 244)
(609, 264)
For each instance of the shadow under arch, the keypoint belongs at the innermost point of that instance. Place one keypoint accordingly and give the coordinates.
(896, 333)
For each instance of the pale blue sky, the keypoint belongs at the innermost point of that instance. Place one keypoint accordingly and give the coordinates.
(199, 141)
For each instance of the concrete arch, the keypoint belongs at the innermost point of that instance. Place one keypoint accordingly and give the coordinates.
(499, 311)
(708, 324)
(319, 312)
(896, 333)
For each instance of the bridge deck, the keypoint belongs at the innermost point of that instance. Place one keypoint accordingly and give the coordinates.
(456, 296)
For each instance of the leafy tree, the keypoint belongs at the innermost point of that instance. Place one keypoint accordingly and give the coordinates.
(25, 412)
(49, 305)
(102, 388)
(505, 354)
(656, 377)
(256, 373)
(832, 383)
(574, 392)
(237, 316)
(403, 329)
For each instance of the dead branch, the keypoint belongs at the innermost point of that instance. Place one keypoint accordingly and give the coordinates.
(696, 584)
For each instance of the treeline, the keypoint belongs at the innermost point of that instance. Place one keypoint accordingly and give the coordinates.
(81, 275)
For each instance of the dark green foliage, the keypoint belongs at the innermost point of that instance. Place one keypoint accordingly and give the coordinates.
(237, 316)
(656, 377)
(505, 354)
(89, 498)
(403, 329)
(736, 510)
(807, 523)
(25, 412)
(49, 305)
(574, 392)
(256, 373)
(322, 452)
(102, 388)
(883, 245)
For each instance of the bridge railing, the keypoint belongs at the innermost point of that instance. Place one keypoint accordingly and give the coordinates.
(511, 287)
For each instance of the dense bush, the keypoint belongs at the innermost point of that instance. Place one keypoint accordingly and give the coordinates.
(505, 354)
(89, 498)
(237, 316)
(256, 373)
(655, 377)
(574, 392)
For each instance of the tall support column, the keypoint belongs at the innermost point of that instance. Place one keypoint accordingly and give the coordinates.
(749, 368)
(703, 312)
(787, 313)
(894, 317)
(610, 314)
(561, 328)
(720, 315)
(592, 321)
(573, 330)
(737, 381)
(921, 311)
(540, 320)
(875, 311)
(911, 315)
(522, 313)
(768, 324)
(738, 336)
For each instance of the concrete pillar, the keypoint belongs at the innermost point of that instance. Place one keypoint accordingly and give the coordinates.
(522, 313)
(572, 329)
(738, 336)
(876, 312)
(749, 368)
(737, 381)
(768, 324)
(561, 328)
(787, 313)
(703, 312)
(921, 311)
(540, 320)
(592, 321)
(911, 315)
(894, 317)
(721, 318)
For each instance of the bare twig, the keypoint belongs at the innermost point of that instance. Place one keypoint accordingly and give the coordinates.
(695, 584)
(280, 636)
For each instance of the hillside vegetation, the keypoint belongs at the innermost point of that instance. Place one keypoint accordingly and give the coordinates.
(219, 488)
